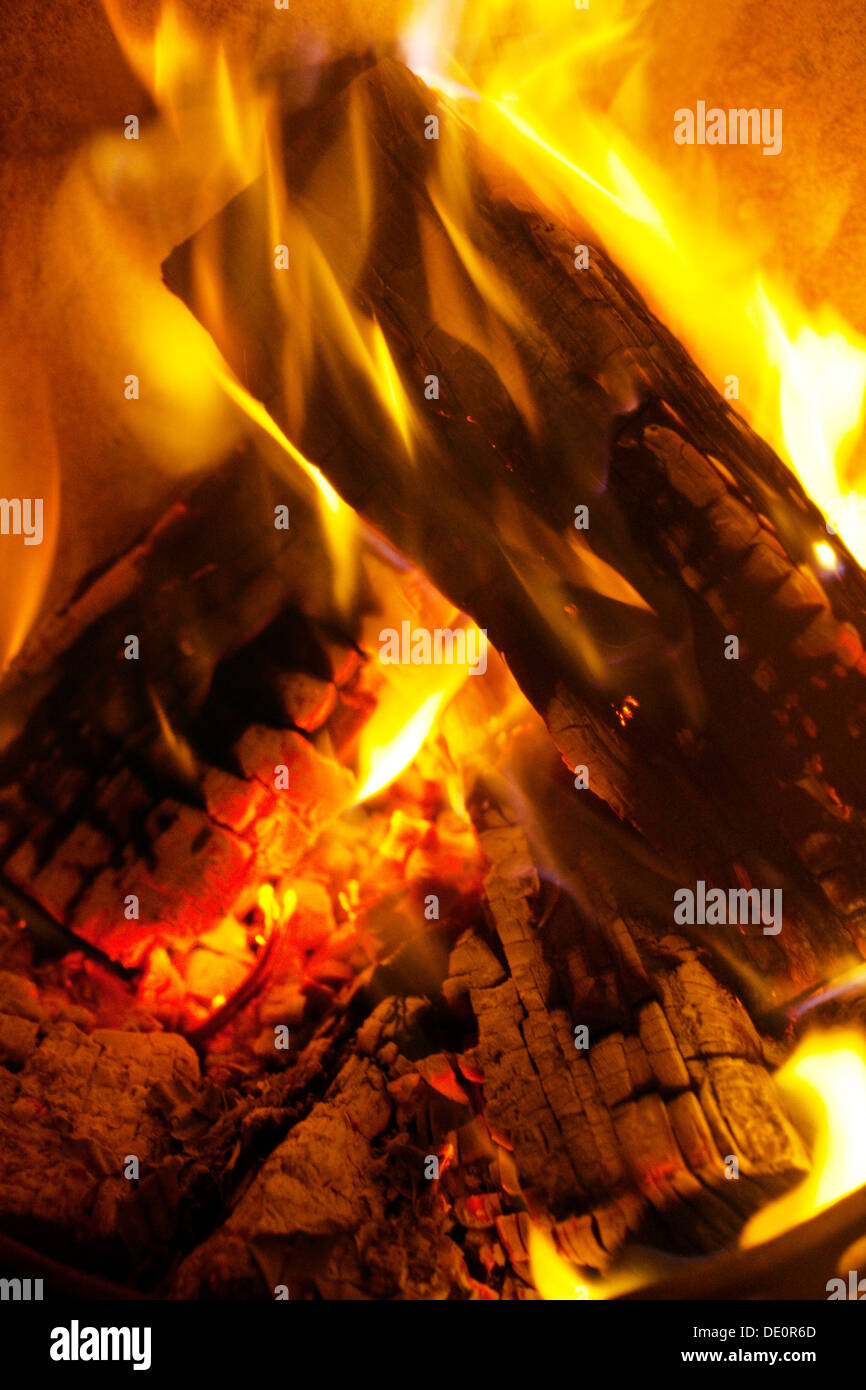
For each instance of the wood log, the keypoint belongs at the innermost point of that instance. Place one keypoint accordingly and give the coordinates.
(736, 772)
(74, 1107)
(638, 1123)
(625, 1139)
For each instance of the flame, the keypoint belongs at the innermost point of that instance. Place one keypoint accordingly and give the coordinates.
(30, 468)
(825, 1080)
(176, 746)
(553, 1276)
(323, 327)
(194, 81)
(382, 763)
(104, 222)
(410, 699)
(525, 75)
(850, 981)
(520, 73)
(275, 910)
(340, 522)
(556, 1279)
(85, 289)
(826, 555)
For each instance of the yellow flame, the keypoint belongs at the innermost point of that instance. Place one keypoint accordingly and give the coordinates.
(275, 910)
(339, 520)
(826, 1079)
(390, 388)
(824, 1083)
(553, 1276)
(29, 467)
(192, 80)
(409, 696)
(523, 75)
(385, 762)
(822, 382)
(557, 1280)
(826, 555)
(322, 326)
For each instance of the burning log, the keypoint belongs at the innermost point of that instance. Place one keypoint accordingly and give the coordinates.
(642, 1119)
(568, 396)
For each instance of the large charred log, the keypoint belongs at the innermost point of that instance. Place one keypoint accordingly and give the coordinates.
(738, 772)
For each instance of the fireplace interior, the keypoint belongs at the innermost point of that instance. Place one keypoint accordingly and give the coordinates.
(432, 756)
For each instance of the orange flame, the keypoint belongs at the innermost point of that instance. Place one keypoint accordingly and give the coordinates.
(825, 1080)
(530, 95)
(558, 1281)
(410, 697)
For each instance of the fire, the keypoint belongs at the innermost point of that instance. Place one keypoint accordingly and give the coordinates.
(409, 700)
(558, 1281)
(275, 910)
(385, 761)
(522, 73)
(532, 95)
(552, 1275)
(340, 522)
(30, 467)
(825, 1080)
(825, 555)
(192, 79)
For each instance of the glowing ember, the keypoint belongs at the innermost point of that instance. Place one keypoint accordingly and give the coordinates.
(625, 713)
